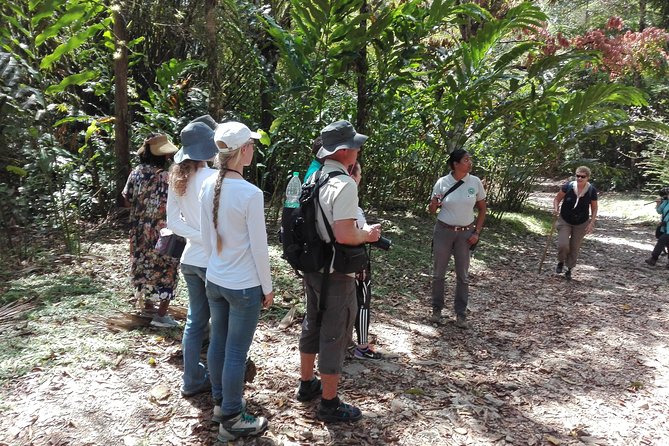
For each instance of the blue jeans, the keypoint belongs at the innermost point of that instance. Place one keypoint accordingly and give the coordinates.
(234, 317)
(195, 373)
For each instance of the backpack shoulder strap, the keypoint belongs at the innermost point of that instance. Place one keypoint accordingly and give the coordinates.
(320, 183)
(455, 186)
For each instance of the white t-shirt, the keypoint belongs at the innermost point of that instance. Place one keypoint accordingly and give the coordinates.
(244, 260)
(183, 217)
(458, 207)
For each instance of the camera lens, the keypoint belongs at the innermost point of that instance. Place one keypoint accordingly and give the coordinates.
(383, 243)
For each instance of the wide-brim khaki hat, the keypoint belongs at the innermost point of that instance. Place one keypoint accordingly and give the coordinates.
(339, 135)
(159, 145)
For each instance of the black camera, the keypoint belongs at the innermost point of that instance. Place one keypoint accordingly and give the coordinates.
(664, 193)
(383, 243)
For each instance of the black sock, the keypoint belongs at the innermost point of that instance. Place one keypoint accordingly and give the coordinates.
(307, 384)
(334, 402)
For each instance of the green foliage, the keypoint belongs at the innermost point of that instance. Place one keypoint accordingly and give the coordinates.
(172, 102)
(421, 78)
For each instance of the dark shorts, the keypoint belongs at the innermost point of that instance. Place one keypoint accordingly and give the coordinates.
(334, 334)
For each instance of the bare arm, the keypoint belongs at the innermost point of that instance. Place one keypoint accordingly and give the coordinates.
(347, 233)
(556, 202)
(593, 216)
(480, 218)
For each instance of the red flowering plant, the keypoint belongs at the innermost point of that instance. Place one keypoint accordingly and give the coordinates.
(623, 52)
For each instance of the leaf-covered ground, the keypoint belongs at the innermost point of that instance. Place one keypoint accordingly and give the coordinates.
(547, 361)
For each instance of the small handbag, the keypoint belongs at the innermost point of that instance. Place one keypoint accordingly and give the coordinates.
(170, 244)
(347, 258)
(350, 259)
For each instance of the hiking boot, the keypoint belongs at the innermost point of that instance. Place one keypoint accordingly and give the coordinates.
(242, 425)
(309, 390)
(558, 268)
(435, 318)
(218, 414)
(342, 412)
(366, 353)
(568, 274)
(204, 387)
(461, 322)
(164, 321)
(651, 261)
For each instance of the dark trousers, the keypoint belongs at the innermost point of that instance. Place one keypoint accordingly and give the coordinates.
(447, 242)
(661, 244)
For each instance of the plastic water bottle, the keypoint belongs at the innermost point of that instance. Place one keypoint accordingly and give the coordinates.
(293, 191)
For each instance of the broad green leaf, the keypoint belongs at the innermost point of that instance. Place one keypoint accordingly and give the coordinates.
(47, 9)
(275, 125)
(17, 170)
(73, 43)
(92, 128)
(73, 14)
(264, 137)
(74, 79)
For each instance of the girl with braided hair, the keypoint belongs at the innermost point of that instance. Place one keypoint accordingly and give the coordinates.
(238, 275)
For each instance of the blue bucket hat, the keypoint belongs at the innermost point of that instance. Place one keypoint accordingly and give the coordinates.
(197, 143)
(207, 119)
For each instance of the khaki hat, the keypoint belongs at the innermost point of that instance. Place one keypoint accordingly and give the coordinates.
(339, 135)
(159, 145)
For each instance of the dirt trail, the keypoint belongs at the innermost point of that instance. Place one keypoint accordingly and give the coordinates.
(547, 362)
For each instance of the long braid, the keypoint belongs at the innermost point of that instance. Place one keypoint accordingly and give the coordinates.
(222, 162)
(217, 196)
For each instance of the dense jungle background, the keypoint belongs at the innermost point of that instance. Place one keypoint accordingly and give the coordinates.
(532, 89)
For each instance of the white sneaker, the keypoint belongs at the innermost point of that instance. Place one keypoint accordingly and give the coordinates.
(218, 413)
(242, 425)
(164, 321)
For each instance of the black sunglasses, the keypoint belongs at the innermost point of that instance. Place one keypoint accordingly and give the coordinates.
(581, 176)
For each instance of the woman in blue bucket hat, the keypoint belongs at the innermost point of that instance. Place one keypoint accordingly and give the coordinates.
(183, 218)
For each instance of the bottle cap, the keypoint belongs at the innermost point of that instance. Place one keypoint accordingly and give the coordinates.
(296, 174)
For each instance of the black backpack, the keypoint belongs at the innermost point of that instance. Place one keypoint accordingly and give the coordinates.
(303, 248)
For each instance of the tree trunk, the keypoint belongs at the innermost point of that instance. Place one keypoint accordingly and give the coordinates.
(211, 56)
(362, 68)
(642, 14)
(121, 149)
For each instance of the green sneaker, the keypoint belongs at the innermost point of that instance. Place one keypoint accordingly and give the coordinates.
(164, 321)
(241, 425)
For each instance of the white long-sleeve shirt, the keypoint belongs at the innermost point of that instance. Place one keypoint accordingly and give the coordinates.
(183, 217)
(244, 260)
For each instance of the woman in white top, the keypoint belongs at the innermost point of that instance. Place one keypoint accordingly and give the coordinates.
(183, 218)
(455, 196)
(238, 275)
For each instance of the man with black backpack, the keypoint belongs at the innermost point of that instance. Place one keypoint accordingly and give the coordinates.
(331, 294)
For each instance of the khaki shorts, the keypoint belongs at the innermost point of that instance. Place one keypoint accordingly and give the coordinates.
(329, 340)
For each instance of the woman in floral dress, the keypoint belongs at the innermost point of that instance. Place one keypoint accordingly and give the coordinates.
(154, 276)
